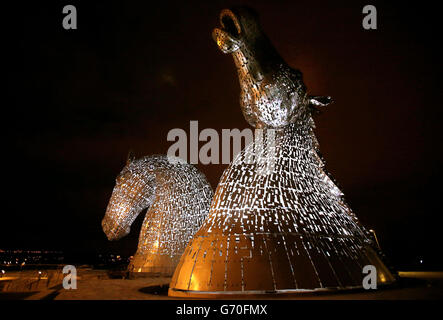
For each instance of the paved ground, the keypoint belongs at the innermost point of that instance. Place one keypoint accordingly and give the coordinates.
(100, 285)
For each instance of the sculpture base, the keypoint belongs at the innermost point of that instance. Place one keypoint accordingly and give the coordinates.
(141, 275)
(256, 294)
(152, 265)
(221, 265)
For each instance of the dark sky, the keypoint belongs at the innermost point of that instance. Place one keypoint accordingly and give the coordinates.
(78, 100)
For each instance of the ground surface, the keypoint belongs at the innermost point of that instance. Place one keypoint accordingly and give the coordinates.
(103, 285)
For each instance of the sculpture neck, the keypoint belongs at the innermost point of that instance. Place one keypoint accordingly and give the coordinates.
(248, 68)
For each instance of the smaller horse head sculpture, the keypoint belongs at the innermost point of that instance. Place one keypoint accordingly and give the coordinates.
(133, 192)
(177, 196)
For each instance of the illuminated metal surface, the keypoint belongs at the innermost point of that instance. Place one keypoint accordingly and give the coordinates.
(283, 230)
(177, 196)
(272, 94)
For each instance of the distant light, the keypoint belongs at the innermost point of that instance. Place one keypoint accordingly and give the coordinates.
(421, 260)
(3, 271)
(39, 272)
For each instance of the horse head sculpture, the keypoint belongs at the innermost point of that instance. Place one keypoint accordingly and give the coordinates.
(272, 94)
(177, 197)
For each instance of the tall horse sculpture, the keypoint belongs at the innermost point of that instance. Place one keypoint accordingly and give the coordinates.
(285, 229)
(177, 197)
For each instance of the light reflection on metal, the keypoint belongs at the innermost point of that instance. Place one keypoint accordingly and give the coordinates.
(177, 196)
(375, 238)
(288, 230)
(272, 94)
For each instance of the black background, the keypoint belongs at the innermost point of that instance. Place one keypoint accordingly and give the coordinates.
(78, 100)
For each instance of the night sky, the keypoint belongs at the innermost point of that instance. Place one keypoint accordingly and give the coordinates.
(78, 100)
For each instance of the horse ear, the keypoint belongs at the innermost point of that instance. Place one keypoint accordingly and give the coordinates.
(320, 101)
(130, 157)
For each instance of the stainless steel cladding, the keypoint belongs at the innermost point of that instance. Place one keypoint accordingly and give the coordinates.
(280, 228)
(177, 196)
